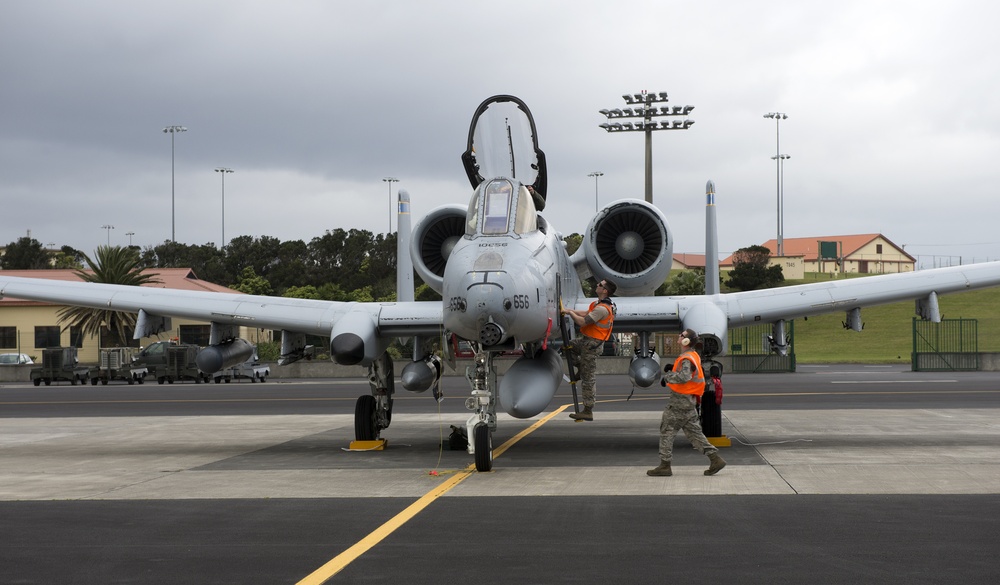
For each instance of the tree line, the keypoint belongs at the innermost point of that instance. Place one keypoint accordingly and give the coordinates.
(340, 265)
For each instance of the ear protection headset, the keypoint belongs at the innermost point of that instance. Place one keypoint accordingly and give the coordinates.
(685, 341)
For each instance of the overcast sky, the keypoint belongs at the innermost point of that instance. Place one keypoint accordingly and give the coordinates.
(893, 115)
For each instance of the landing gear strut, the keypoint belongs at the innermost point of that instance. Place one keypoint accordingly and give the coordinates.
(373, 412)
(480, 426)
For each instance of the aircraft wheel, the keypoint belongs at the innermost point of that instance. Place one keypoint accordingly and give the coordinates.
(484, 447)
(365, 428)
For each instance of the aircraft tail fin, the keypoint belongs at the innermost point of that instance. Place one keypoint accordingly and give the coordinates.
(404, 264)
(711, 242)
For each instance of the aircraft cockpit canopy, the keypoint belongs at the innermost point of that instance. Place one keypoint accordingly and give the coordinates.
(501, 207)
(503, 143)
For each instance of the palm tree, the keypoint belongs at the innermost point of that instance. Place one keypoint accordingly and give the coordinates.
(114, 265)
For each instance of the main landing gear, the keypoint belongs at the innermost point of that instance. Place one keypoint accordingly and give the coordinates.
(373, 412)
(480, 426)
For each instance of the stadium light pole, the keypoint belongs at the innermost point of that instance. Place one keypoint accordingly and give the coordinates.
(390, 180)
(129, 234)
(781, 158)
(173, 130)
(223, 171)
(642, 107)
(778, 117)
(596, 175)
(108, 227)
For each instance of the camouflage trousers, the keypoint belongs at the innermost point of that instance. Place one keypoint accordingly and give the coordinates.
(586, 350)
(680, 415)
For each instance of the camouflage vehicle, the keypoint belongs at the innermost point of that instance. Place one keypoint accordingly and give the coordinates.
(116, 364)
(59, 363)
(169, 361)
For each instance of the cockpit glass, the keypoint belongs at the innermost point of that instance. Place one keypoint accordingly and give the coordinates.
(496, 211)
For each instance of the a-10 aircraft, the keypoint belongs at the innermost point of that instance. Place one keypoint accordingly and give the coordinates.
(504, 273)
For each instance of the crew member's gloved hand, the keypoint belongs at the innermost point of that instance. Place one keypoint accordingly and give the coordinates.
(663, 382)
(668, 368)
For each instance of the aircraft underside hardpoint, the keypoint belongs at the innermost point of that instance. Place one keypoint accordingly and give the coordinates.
(503, 273)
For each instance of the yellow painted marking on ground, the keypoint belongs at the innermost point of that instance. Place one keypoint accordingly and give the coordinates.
(339, 562)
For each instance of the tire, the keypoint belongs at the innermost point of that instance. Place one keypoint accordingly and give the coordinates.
(484, 447)
(93, 381)
(37, 381)
(365, 428)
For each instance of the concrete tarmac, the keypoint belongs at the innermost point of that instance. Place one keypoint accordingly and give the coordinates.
(833, 486)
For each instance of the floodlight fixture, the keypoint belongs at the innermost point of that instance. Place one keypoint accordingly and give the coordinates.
(643, 108)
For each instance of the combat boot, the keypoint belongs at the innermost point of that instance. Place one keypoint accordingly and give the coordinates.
(586, 414)
(662, 471)
(717, 463)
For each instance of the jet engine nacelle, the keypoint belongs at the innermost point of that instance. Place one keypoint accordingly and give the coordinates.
(630, 243)
(530, 383)
(216, 358)
(711, 325)
(433, 240)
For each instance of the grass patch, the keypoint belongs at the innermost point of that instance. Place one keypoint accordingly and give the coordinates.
(888, 333)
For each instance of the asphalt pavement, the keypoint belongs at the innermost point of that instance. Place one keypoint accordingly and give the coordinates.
(835, 473)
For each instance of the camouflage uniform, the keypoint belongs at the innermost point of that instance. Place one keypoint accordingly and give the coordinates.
(680, 415)
(586, 350)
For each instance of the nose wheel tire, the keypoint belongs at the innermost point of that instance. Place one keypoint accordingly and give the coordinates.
(483, 442)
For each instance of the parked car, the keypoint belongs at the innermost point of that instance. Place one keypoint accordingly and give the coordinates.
(15, 359)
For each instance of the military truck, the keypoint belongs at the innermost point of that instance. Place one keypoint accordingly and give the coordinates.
(59, 363)
(116, 364)
(169, 361)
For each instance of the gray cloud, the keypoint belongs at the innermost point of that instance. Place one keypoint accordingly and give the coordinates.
(892, 123)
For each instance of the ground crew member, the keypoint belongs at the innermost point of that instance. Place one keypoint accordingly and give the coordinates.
(686, 381)
(595, 328)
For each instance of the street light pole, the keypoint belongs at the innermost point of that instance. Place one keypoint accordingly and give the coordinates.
(108, 227)
(390, 180)
(646, 111)
(129, 234)
(778, 117)
(596, 175)
(172, 130)
(223, 170)
(781, 200)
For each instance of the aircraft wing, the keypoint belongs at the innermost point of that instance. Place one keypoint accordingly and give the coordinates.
(747, 308)
(717, 313)
(309, 316)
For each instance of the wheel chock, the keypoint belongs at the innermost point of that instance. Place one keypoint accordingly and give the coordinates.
(722, 441)
(376, 445)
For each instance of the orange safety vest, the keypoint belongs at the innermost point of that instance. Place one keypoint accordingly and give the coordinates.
(601, 329)
(696, 385)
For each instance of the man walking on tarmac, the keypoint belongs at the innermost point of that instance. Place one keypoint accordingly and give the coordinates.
(686, 381)
(595, 328)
